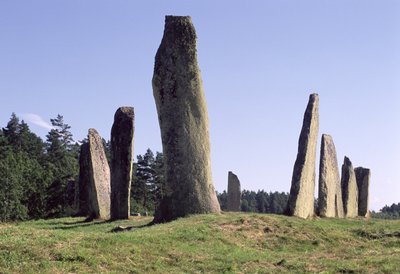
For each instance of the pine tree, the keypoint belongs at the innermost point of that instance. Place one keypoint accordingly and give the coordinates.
(62, 161)
(143, 183)
(11, 131)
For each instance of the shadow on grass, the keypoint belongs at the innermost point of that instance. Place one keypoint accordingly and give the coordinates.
(88, 222)
(77, 222)
(129, 228)
(376, 235)
(80, 224)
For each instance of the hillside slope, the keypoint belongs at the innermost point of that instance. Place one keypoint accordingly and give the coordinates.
(230, 242)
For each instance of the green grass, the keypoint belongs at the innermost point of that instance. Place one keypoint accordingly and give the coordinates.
(226, 243)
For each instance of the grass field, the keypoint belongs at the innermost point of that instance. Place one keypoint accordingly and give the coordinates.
(226, 243)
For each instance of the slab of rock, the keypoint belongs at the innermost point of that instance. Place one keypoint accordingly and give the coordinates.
(301, 197)
(234, 192)
(330, 203)
(84, 180)
(122, 162)
(363, 176)
(99, 173)
(183, 118)
(349, 189)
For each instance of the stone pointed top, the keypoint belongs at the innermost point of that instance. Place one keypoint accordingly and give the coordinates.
(178, 18)
(347, 161)
(180, 28)
(92, 131)
(230, 173)
(314, 96)
(326, 136)
(174, 21)
(366, 170)
(125, 110)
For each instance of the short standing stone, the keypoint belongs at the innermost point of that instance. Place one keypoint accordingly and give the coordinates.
(301, 198)
(349, 189)
(183, 118)
(121, 162)
(363, 176)
(99, 171)
(330, 203)
(84, 179)
(234, 192)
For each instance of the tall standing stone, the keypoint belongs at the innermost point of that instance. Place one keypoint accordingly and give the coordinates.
(349, 189)
(183, 119)
(84, 180)
(330, 203)
(121, 162)
(234, 192)
(363, 176)
(99, 172)
(301, 197)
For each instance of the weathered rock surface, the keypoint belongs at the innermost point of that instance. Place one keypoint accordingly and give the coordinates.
(99, 172)
(122, 135)
(84, 180)
(363, 176)
(349, 189)
(183, 118)
(234, 192)
(330, 203)
(301, 197)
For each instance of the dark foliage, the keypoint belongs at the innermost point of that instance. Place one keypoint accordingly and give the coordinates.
(34, 174)
(260, 201)
(146, 190)
(388, 212)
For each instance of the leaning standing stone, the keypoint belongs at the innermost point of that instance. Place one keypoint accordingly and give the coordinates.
(234, 193)
(349, 189)
(301, 198)
(99, 188)
(183, 118)
(363, 176)
(330, 203)
(121, 162)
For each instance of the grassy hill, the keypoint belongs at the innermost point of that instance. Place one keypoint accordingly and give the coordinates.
(226, 243)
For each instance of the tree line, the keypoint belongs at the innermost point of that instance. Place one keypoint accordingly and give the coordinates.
(35, 173)
(260, 201)
(388, 212)
(39, 179)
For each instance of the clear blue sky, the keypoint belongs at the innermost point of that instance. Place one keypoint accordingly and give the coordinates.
(259, 60)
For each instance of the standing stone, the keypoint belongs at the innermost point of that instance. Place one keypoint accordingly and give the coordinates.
(84, 180)
(234, 193)
(301, 198)
(183, 119)
(121, 162)
(349, 189)
(330, 203)
(363, 176)
(99, 173)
